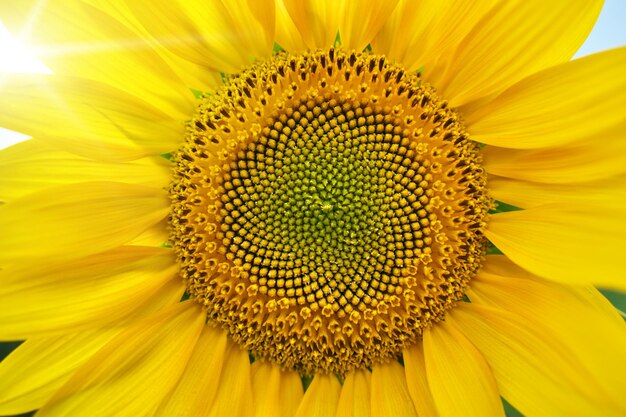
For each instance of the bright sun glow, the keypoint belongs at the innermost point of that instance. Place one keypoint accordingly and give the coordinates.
(15, 57)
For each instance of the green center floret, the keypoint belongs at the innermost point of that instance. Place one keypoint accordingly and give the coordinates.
(336, 196)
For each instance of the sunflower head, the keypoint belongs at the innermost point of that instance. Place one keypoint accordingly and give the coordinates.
(327, 207)
(408, 223)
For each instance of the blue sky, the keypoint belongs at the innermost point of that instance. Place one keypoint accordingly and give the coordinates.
(609, 32)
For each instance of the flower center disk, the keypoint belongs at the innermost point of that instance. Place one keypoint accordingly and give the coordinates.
(327, 208)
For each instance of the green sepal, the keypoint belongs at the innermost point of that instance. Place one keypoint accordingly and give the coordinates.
(277, 49)
(337, 43)
(503, 208)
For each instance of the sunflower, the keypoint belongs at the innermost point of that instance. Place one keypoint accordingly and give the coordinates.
(313, 208)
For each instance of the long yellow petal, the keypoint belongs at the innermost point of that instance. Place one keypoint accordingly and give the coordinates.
(33, 165)
(276, 393)
(167, 295)
(36, 369)
(593, 296)
(293, 391)
(234, 391)
(192, 75)
(87, 118)
(315, 24)
(528, 194)
(76, 220)
(360, 20)
(524, 364)
(569, 243)
(575, 324)
(266, 390)
(390, 394)
(44, 299)
(513, 40)
(287, 34)
(194, 393)
(75, 38)
(460, 379)
(156, 236)
(417, 383)
(578, 100)
(355, 397)
(583, 161)
(135, 371)
(423, 34)
(321, 398)
(221, 36)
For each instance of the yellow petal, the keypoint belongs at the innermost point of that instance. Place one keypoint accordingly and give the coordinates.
(170, 293)
(135, 371)
(221, 36)
(76, 220)
(157, 236)
(528, 194)
(194, 393)
(582, 161)
(321, 398)
(36, 369)
(573, 243)
(578, 100)
(594, 297)
(390, 394)
(423, 34)
(355, 397)
(234, 391)
(276, 393)
(460, 379)
(87, 118)
(293, 391)
(315, 24)
(195, 76)
(524, 364)
(266, 389)
(192, 75)
(74, 38)
(417, 383)
(515, 39)
(587, 342)
(287, 34)
(360, 20)
(45, 299)
(33, 165)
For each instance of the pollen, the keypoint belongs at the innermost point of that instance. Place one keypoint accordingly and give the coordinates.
(327, 207)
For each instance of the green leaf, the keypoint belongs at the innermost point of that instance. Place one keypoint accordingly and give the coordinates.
(169, 156)
(196, 93)
(337, 40)
(617, 298)
(277, 49)
(306, 381)
(503, 207)
(492, 250)
(510, 410)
